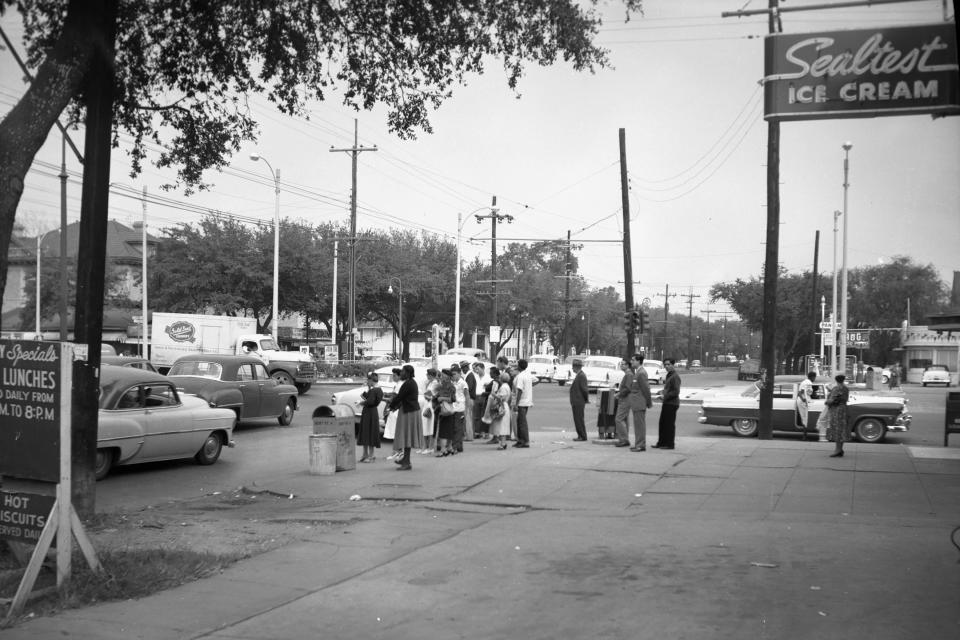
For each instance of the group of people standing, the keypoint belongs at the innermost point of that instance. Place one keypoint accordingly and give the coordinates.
(462, 404)
(633, 397)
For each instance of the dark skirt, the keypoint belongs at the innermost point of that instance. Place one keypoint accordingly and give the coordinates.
(838, 430)
(446, 428)
(409, 433)
(369, 435)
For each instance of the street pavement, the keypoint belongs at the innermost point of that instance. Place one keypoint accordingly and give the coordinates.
(719, 538)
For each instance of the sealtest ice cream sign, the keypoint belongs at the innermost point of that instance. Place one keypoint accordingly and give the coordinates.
(862, 73)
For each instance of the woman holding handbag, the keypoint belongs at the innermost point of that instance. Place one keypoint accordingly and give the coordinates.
(838, 430)
(443, 406)
(497, 413)
(409, 425)
(369, 437)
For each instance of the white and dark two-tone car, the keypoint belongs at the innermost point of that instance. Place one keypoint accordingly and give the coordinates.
(871, 416)
(142, 418)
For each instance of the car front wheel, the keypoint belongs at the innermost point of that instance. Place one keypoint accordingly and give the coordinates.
(286, 417)
(870, 430)
(303, 387)
(744, 427)
(282, 377)
(210, 451)
(103, 463)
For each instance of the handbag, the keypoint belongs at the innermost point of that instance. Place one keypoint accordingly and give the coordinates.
(427, 412)
(446, 408)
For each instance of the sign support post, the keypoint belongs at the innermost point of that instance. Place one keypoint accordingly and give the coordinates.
(62, 522)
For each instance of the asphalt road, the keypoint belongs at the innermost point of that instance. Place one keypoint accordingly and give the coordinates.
(264, 447)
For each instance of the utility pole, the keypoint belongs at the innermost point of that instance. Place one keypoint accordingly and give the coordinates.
(354, 151)
(495, 216)
(704, 340)
(813, 295)
(690, 296)
(627, 259)
(566, 300)
(666, 314)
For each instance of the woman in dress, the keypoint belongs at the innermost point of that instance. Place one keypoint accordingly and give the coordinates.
(446, 424)
(369, 436)
(430, 416)
(390, 419)
(406, 406)
(498, 409)
(838, 430)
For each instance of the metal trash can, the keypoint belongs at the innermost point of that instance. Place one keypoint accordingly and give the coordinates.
(607, 413)
(952, 416)
(323, 454)
(338, 421)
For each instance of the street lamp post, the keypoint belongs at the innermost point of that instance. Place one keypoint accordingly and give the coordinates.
(276, 242)
(588, 329)
(40, 239)
(833, 311)
(399, 312)
(823, 311)
(456, 312)
(843, 283)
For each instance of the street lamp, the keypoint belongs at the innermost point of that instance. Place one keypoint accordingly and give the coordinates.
(843, 286)
(40, 240)
(399, 313)
(276, 241)
(833, 311)
(588, 329)
(456, 311)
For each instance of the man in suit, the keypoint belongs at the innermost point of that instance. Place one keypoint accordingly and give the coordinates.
(624, 406)
(640, 401)
(471, 379)
(579, 397)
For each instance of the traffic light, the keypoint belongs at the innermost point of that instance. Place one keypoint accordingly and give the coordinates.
(628, 321)
(635, 321)
(644, 320)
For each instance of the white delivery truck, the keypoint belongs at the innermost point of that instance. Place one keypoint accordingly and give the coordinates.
(177, 334)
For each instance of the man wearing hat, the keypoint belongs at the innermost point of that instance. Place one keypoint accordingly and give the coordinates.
(579, 397)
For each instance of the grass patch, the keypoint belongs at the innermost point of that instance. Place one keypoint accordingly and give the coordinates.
(125, 574)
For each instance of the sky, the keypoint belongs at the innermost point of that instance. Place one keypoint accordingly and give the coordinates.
(683, 85)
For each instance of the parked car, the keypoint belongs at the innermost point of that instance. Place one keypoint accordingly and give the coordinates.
(466, 353)
(563, 373)
(129, 361)
(870, 416)
(602, 371)
(444, 361)
(656, 372)
(542, 367)
(695, 364)
(240, 383)
(385, 381)
(936, 374)
(142, 418)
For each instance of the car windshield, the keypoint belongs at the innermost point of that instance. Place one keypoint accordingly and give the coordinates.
(533, 360)
(937, 367)
(751, 392)
(652, 363)
(200, 368)
(600, 364)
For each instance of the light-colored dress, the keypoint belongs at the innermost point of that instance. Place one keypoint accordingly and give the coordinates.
(499, 426)
(390, 427)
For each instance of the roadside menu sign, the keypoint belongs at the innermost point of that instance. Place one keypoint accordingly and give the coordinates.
(23, 515)
(858, 73)
(30, 410)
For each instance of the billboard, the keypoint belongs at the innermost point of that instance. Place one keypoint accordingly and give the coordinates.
(885, 71)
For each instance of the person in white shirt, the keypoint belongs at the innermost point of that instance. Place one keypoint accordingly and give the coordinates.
(459, 406)
(523, 384)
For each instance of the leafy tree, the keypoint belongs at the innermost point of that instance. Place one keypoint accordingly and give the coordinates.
(51, 298)
(182, 72)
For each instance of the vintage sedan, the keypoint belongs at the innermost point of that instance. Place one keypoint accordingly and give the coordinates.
(543, 367)
(240, 383)
(656, 372)
(129, 361)
(936, 374)
(602, 371)
(142, 418)
(563, 373)
(870, 416)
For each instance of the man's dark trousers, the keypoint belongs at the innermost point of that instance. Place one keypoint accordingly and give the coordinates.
(667, 427)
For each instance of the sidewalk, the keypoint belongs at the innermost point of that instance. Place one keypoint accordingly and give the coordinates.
(720, 538)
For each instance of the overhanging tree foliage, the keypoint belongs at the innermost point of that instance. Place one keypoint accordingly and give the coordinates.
(183, 70)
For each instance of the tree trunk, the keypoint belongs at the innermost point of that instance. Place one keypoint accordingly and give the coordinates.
(91, 259)
(25, 128)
